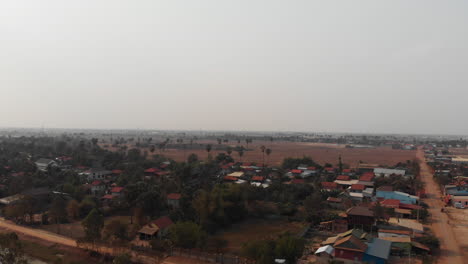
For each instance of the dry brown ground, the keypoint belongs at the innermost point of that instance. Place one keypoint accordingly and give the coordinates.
(319, 152)
(459, 223)
(253, 230)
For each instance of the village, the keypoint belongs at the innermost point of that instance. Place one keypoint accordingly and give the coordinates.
(224, 208)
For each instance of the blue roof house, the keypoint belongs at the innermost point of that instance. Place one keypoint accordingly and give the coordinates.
(378, 251)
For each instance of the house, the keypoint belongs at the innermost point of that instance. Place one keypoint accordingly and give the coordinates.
(117, 191)
(360, 216)
(343, 178)
(405, 198)
(97, 187)
(258, 178)
(383, 233)
(324, 254)
(388, 172)
(390, 203)
(336, 203)
(350, 248)
(294, 173)
(236, 174)
(409, 224)
(367, 179)
(346, 183)
(173, 200)
(378, 251)
(44, 164)
(156, 229)
(335, 226)
(95, 174)
(357, 188)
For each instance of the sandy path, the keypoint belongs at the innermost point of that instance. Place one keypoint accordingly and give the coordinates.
(44, 235)
(450, 250)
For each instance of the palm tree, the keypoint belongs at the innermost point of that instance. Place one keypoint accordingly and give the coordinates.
(241, 153)
(229, 151)
(262, 148)
(208, 149)
(268, 152)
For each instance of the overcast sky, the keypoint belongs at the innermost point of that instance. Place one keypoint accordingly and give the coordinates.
(334, 66)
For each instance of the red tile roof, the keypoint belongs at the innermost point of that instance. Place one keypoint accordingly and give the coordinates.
(257, 178)
(296, 171)
(392, 203)
(410, 206)
(151, 170)
(329, 185)
(367, 177)
(330, 169)
(108, 197)
(347, 171)
(163, 222)
(230, 178)
(117, 189)
(359, 187)
(96, 183)
(174, 196)
(311, 168)
(117, 171)
(343, 178)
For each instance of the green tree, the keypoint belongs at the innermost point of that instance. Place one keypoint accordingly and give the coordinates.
(115, 229)
(93, 224)
(73, 209)
(289, 247)
(122, 259)
(187, 235)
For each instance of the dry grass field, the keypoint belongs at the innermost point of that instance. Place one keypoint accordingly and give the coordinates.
(252, 230)
(319, 152)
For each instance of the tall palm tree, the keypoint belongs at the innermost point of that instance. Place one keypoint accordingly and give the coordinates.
(208, 149)
(268, 152)
(262, 148)
(241, 153)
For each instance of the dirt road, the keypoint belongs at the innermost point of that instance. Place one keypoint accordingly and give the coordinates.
(450, 250)
(44, 235)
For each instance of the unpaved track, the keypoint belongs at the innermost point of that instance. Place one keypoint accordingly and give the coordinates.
(44, 235)
(450, 250)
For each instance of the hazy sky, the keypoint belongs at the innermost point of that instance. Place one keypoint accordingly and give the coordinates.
(342, 66)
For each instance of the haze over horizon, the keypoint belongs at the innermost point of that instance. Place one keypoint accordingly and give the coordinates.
(327, 66)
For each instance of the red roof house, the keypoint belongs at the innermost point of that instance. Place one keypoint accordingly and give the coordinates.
(258, 178)
(343, 178)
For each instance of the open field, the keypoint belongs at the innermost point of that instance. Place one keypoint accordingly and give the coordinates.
(319, 152)
(252, 230)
